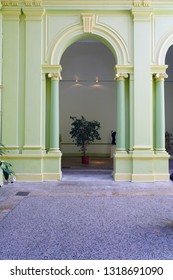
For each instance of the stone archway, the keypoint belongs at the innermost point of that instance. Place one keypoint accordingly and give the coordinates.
(164, 70)
(101, 33)
(81, 93)
(162, 48)
(117, 46)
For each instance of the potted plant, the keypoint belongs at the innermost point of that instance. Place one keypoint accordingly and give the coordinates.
(6, 173)
(83, 133)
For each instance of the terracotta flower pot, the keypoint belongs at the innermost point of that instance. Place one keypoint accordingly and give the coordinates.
(85, 159)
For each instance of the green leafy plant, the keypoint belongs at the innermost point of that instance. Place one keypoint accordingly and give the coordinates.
(8, 173)
(84, 132)
(6, 167)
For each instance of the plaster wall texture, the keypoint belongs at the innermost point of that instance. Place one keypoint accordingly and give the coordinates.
(35, 37)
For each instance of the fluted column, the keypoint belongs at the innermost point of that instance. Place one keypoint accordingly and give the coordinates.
(120, 117)
(54, 112)
(160, 112)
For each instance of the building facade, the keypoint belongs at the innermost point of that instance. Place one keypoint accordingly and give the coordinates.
(35, 34)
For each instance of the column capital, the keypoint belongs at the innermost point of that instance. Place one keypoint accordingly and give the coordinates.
(121, 76)
(54, 71)
(55, 76)
(160, 76)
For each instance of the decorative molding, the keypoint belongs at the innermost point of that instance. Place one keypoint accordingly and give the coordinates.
(144, 3)
(55, 76)
(5, 2)
(121, 76)
(14, 2)
(160, 76)
(124, 69)
(55, 72)
(142, 148)
(48, 69)
(26, 2)
(29, 2)
(88, 21)
(137, 3)
(158, 69)
(11, 14)
(33, 2)
(38, 2)
(33, 13)
(107, 5)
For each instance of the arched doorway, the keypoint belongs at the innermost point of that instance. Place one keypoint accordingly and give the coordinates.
(88, 88)
(169, 102)
(168, 107)
(119, 52)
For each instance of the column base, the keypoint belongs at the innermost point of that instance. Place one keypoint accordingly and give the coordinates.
(54, 150)
(141, 167)
(122, 166)
(36, 167)
(32, 150)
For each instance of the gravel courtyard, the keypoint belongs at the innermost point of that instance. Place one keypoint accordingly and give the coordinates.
(86, 218)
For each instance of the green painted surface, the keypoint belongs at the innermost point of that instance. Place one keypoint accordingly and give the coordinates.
(54, 114)
(160, 115)
(34, 40)
(121, 120)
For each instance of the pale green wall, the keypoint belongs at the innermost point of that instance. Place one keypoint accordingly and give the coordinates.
(36, 34)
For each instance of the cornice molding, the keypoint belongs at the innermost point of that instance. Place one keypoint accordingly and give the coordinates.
(51, 69)
(130, 3)
(90, 4)
(32, 13)
(124, 69)
(14, 2)
(11, 13)
(137, 3)
(19, 2)
(142, 14)
(33, 2)
(158, 69)
(5, 2)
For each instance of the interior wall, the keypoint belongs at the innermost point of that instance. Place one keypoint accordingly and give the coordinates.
(169, 92)
(82, 63)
